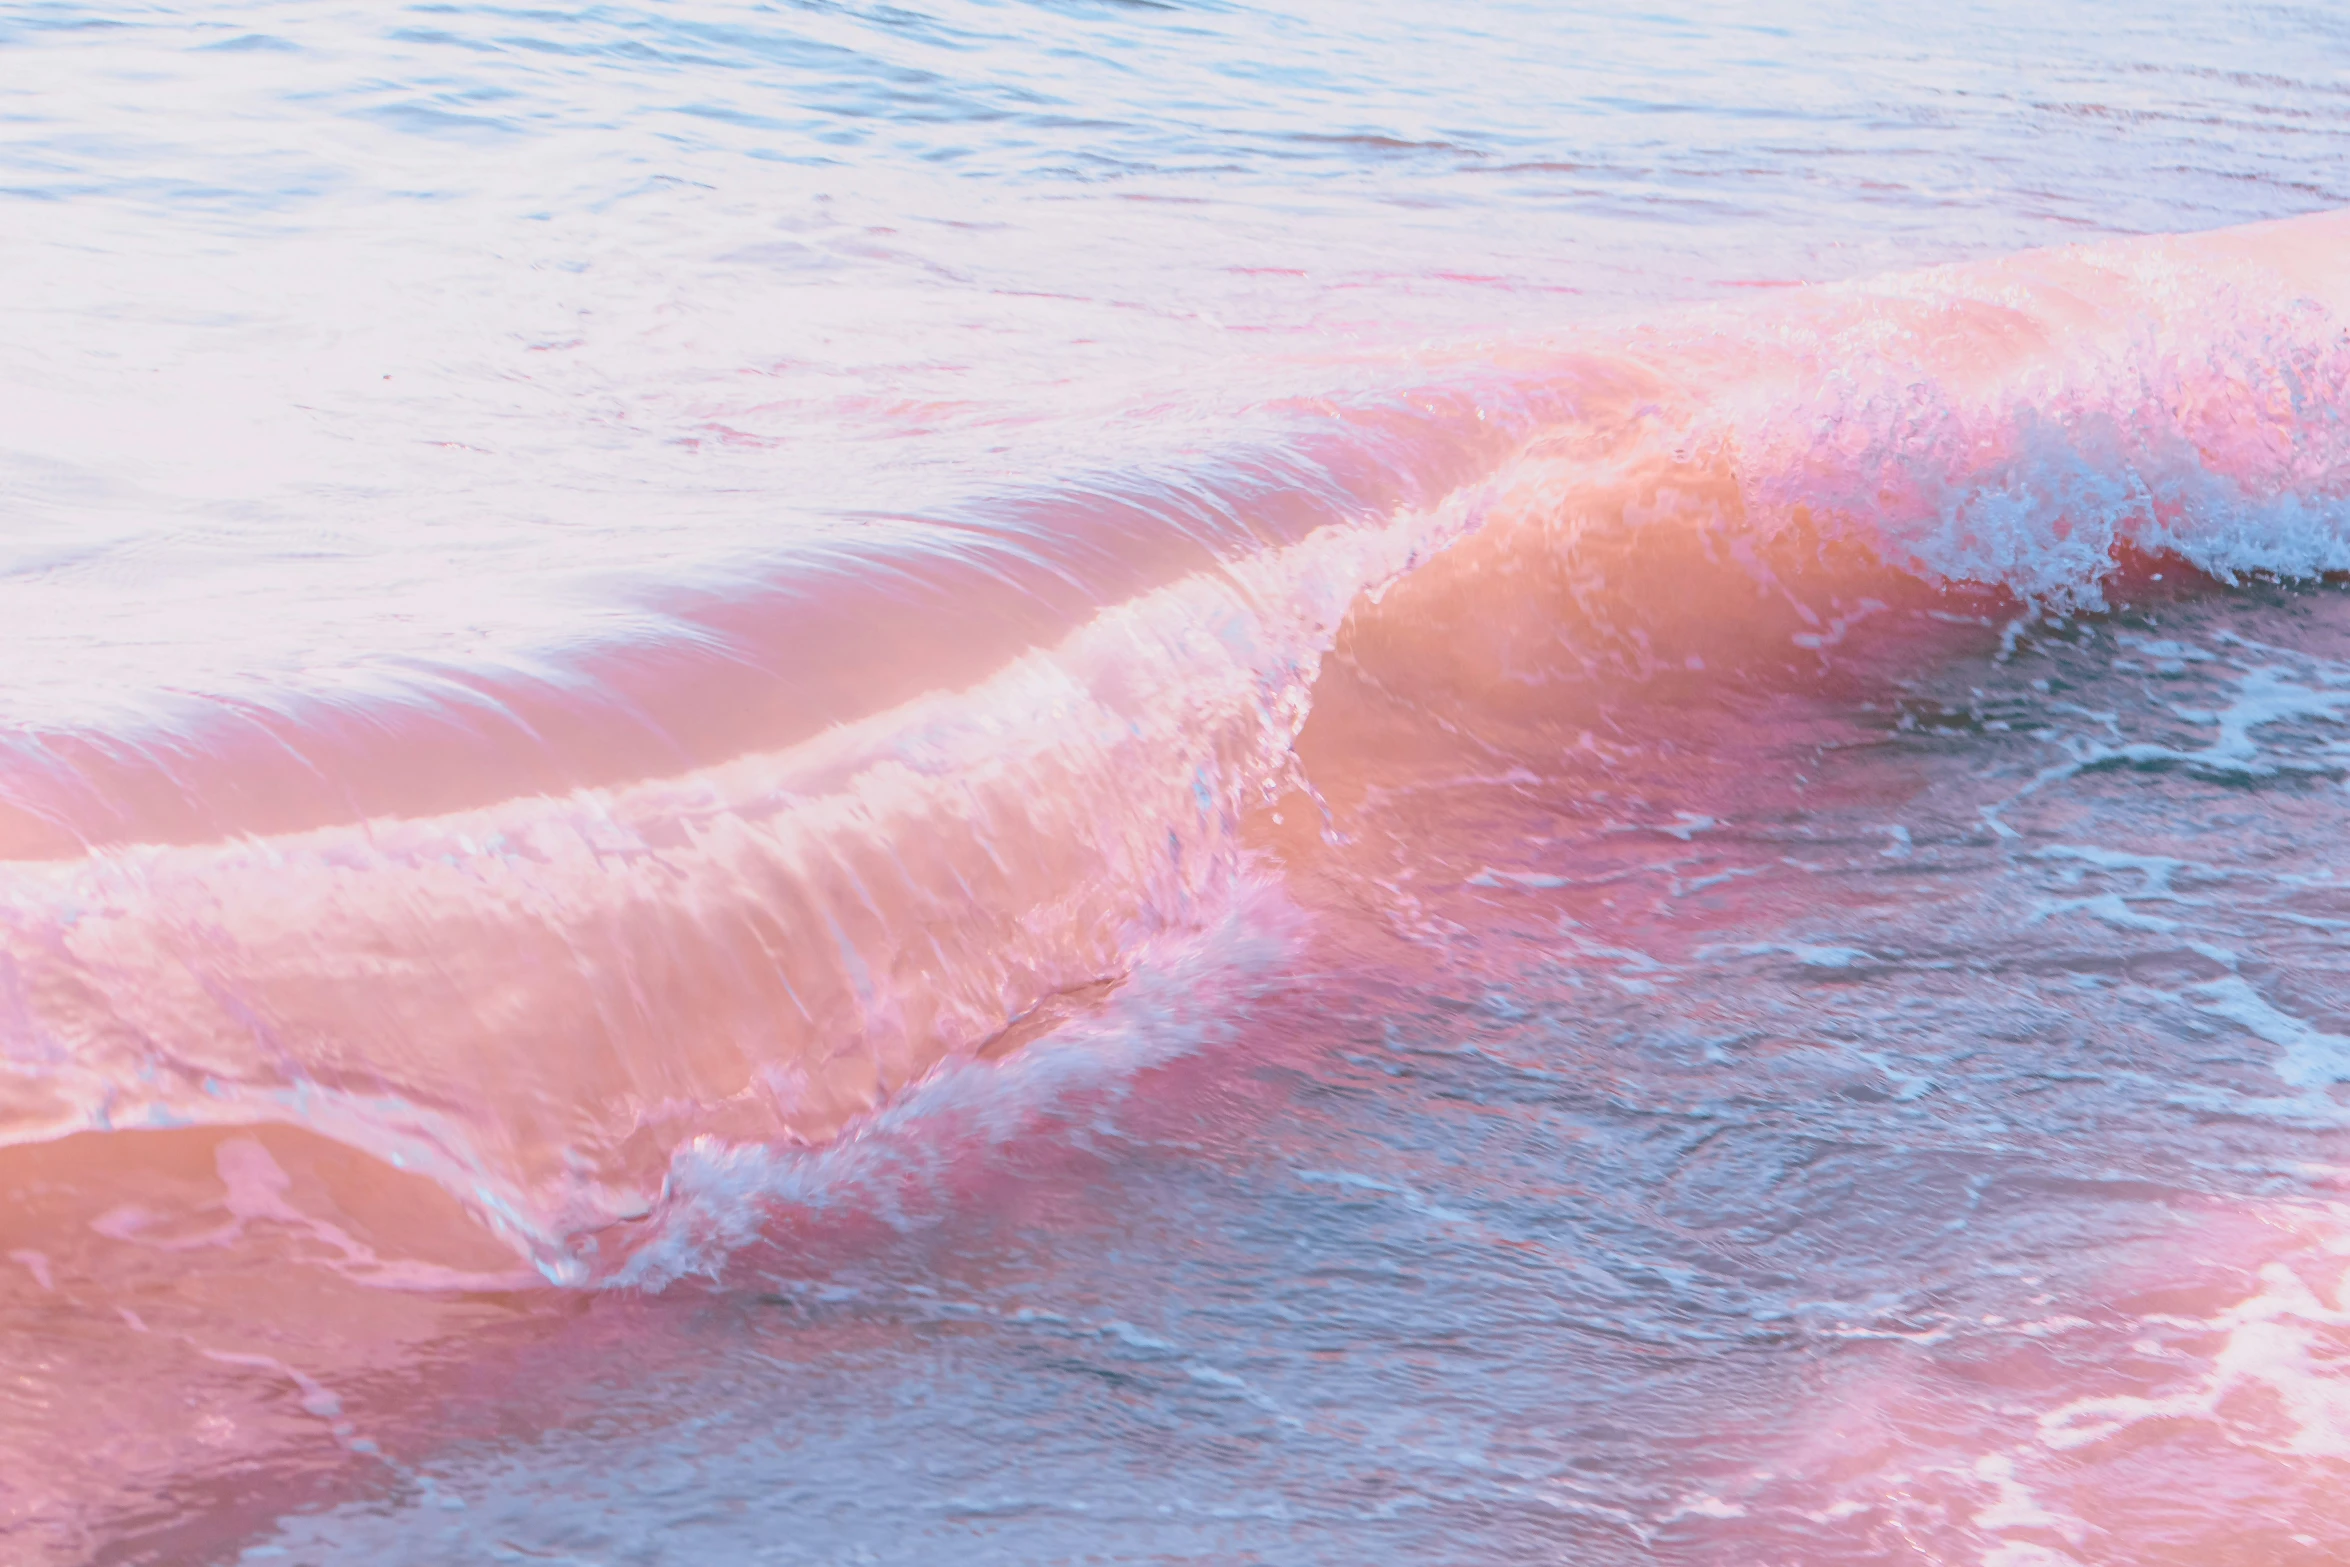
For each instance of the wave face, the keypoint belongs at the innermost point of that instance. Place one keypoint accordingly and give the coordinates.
(537, 1001)
(721, 769)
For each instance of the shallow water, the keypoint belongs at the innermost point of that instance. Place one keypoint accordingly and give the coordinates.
(1161, 784)
(1900, 1127)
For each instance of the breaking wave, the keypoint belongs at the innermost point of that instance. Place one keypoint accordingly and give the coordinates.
(570, 947)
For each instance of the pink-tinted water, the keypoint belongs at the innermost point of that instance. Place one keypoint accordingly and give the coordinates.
(1559, 911)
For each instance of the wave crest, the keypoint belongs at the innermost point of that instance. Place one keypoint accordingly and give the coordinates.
(545, 1002)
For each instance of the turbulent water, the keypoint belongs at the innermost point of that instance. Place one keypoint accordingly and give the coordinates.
(1044, 782)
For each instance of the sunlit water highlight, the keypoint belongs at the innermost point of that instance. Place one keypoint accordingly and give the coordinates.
(1021, 783)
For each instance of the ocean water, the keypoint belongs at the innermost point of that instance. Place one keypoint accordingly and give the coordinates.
(1096, 781)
